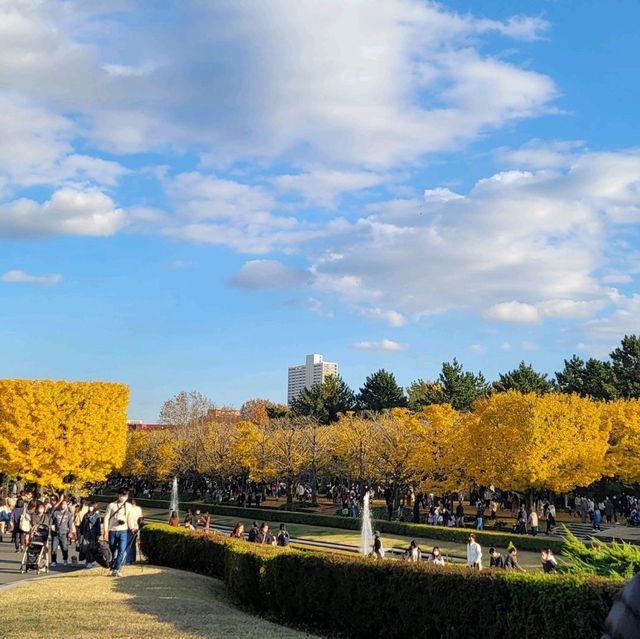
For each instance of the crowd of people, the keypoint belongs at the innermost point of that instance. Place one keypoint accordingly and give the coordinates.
(74, 527)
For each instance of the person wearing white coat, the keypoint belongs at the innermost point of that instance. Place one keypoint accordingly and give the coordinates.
(474, 553)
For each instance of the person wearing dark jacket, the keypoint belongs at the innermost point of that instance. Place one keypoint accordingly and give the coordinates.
(511, 561)
(496, 559)
(90, 532)
(623, 621)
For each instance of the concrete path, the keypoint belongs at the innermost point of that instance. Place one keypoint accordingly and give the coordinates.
(10, 565)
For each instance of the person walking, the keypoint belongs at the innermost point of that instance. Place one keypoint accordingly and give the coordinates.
(480, 516)
(378, 550)
(460, 515)
(533, 522)
(133, 544)
(118, 521)
(18, 535)
(597, 519)
(474, 553)
(62, 529)
(90, 532)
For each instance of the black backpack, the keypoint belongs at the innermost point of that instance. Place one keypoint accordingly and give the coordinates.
(102, 553)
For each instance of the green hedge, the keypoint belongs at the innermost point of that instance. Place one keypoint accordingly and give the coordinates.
(360, 597)
(457, 535)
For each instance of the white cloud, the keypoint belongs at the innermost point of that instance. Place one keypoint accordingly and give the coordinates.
(318, 307)
(18, 276)
(68, 211)
(512, 312)
(371, 84)
(384, 345)
(324, 186)
(529, 346)
(393, 318)
(262, 274)
(520, 246)
(478, 348)
(505, 346)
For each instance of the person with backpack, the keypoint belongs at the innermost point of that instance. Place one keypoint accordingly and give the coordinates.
(5, 519)
(253, 533)
(283, 536)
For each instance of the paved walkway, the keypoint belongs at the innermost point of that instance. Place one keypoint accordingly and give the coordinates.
(10, 565)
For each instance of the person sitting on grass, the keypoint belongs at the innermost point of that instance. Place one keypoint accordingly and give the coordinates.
(238, 531)
(496, 559)
(283, 536)
(412, 553)
(264, 535)
(174, 519)
(253, 533)
(511, 562)
(436, 556)
(549, 562)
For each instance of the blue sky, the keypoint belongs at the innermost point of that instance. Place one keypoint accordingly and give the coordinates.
(196, 195)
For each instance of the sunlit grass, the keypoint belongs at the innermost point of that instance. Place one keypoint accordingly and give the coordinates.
(145, 602)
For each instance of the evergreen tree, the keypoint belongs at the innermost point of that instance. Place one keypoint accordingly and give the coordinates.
(593, 378)
(625, 365)
(325, 401)
(523, 379)
(381, 391)
(461, 388)
(421, 394)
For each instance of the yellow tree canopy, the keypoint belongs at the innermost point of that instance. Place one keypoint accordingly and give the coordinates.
(440, 461)
(520, 441)
(57, 433)
(623, 457)
(398, 451)
(151, 454)
(351, 442)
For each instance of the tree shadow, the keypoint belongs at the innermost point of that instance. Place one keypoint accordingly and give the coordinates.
(193, 604)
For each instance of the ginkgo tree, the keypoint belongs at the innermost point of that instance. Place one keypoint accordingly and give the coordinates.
(60, 434)
(531, 442)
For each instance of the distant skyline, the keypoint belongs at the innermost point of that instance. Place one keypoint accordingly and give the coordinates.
(196, 195)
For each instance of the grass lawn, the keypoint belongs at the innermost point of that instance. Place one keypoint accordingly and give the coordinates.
(528, 560)
(145, 602)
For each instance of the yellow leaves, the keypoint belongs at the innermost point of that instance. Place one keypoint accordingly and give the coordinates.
(553, 441)
(623, 456)
(56, 433)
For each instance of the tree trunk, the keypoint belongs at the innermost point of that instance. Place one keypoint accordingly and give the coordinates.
(314, 481)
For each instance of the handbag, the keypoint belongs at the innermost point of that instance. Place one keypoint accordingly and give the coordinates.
(25, 523)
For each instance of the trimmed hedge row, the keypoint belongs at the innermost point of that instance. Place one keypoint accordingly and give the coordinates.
(358, 597)
(441, 533)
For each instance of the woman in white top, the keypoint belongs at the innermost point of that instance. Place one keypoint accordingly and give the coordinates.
(474, 553)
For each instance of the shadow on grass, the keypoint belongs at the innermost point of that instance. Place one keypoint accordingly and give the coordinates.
(193, 604)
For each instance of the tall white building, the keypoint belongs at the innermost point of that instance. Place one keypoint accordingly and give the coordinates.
(314, 371)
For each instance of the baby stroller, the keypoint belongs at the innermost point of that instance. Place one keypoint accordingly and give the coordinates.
(36, 555)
